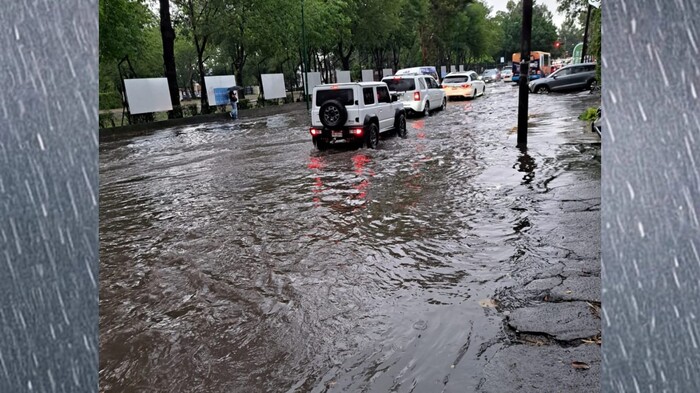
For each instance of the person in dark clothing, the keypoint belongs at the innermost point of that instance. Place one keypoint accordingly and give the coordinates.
(233, 98)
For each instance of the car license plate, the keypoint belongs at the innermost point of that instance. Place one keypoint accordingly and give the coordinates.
(337, 134)
(454, 88)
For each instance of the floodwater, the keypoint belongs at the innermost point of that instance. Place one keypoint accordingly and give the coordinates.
(234, 257)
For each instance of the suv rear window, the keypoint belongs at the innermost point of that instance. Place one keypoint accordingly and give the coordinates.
(345, 96)
(456, 79)
(403, 84)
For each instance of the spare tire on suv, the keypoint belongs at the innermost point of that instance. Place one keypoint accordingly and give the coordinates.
(333, 113)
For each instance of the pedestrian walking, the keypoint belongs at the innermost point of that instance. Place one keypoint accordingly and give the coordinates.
(233, 98)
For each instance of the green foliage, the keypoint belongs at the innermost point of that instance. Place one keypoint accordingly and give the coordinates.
(106, 120)
(595, 43)
(244, 103)
(110, 99)
(121, 23)
(589, 115)
(265, 36)
(190, 110)
(544, 33)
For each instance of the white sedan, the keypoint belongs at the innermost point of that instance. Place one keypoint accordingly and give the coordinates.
(463, 84)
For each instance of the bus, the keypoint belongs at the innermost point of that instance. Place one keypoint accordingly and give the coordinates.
(540, 65)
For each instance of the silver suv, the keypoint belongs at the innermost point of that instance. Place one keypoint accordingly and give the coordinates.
(571, 77)
(355, 112)
(419, 93)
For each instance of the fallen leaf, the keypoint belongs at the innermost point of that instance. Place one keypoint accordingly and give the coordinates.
(580, 365)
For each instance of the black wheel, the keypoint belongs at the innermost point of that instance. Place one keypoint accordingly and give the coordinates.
(474, 94)
(426, 109)
(321, 144)
(483, 90)
(333, 113)
(544, 89)
(444, 104)
(401, 127)
(372, 136)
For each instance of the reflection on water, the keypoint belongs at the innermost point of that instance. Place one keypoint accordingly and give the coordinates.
(235, 257)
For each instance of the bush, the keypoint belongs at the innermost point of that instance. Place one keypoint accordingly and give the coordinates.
(142, 118)
(190, 110)
(106, 120)
(244, 103)
(589, 115)
(110, 100)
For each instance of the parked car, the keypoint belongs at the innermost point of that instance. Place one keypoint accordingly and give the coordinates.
(425, 70)
(419, 93)
(507, 75)
(463, 84)
(354, 112)
(491, 75)
(572, 77)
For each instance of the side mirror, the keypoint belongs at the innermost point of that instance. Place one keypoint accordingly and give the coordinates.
(394, 98)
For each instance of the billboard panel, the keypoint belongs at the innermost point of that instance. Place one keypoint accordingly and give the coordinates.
(147, 95)
(216, 82)
(273, 86)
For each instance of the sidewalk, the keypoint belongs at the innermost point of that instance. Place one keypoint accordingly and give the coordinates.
(131, 129)
(552, 317)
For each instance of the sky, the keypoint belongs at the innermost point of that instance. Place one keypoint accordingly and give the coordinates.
(500, 5)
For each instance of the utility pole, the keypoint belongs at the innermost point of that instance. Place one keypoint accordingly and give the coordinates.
(585, 35)
(304, 59)
(524, 73)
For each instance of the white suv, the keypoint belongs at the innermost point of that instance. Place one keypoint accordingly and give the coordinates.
(355, 112)
(419, 93)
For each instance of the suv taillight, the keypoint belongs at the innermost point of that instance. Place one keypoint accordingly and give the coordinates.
(416, 96)
(315, 131)
(467, 85)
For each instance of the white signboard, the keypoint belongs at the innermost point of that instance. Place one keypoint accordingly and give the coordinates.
(147, 95)
(387, 72)
(314, 80)
(368, 75)
(461, 68)
(221, 83)
(273, 86)
(503, 59)
(443, 71)
(342, 76)
(453, 69)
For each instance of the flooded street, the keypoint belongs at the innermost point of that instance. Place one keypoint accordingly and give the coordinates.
(234, 257)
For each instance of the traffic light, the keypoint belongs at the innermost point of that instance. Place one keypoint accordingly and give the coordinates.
(556, 44)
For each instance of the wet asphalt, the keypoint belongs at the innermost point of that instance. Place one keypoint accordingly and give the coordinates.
(234, 257)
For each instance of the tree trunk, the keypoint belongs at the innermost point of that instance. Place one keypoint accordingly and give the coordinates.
(204, 97)
(168, 36)
(345, 58)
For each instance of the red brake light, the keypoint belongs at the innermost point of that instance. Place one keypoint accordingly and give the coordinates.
(416, 96)
(356, 131)
(466, 85)
(315, 131)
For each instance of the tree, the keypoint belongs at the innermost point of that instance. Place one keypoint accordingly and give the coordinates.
(544, 33)
(202, 20)
(168, 36)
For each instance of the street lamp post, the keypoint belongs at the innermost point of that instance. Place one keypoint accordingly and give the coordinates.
(304, 58)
